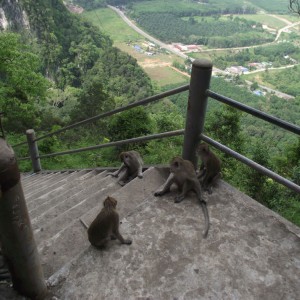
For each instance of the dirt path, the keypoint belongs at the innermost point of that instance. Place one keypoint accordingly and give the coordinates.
(282, 19)
(153, 63)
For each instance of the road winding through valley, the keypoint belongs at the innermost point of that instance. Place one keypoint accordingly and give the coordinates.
(216, 70)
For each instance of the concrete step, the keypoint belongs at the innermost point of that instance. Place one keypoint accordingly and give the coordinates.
(67, 203)
(52, 184)
(34, 178)
(43, 182)
(41, 178)
(132, 195)
(64, 191)
(64, 236)
(250, 251)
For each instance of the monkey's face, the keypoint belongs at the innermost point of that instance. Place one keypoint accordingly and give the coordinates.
(175, 164)
(110, 202)
(202, 149)
(126, 158)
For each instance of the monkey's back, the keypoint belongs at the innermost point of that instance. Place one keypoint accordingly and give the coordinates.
(103, 225)
(187, 175)
(214, 165)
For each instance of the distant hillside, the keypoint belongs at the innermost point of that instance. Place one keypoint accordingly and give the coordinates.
(73, 54)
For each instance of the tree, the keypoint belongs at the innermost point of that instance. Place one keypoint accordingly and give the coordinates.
(294, 6)
(254, 86)
(129, 124)
(22, 86)
(255, 182)
(94, 98)
(223, 125)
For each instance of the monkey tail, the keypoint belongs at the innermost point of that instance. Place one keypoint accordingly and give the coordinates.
(206, 217)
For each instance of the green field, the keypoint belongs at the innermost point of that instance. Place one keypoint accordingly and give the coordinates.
(271, 5)
(270, 21)
(164, 6)
(181, 6)
(158, 66)
(274, 6)
(258, 77)
(110, 23)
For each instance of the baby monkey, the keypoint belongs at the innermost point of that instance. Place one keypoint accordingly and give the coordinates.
(106, 225)
(132, 166)
(210, 169)
(184, 176)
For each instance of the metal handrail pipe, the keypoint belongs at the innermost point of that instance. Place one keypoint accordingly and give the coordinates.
(23, 158)
(118, 143)
(255, 112)
(120, 109)
(20, 144)
(289, 184)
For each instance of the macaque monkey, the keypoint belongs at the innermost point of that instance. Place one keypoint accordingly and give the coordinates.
(210, 169)
(184, 176)
(106, 225)
(132, 166)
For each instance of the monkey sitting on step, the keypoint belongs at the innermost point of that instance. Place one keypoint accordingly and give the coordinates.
(106, 225)
(210, 169)
(184, 176)
(132, 166)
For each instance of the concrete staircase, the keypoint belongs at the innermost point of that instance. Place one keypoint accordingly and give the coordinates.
(250, 252)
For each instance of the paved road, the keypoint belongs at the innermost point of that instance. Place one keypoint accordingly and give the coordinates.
(149, 37)
(275, 92)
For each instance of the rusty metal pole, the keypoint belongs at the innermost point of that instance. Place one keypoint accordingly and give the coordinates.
(33, 150)
(17, 240)
(196, 110)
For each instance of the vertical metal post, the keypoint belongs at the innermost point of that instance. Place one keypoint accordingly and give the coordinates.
(17, 240)
(197, 102)
(33, 150)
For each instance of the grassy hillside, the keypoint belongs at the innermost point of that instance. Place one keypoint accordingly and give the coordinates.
(108, 22)
(274, 6)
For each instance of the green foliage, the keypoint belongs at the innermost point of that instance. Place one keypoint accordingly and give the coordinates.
(276, 50)
(87, 73)
(126, 78)
(191, 8)
(168, 121)
(93, 98)
(129, 124)
(231, 33)
(224, 125)
(254, 128)
(161, 151)
(21, 84)
(255, 183)
(274, 6)
(287, 81)
(91, 4)
(67, 44)
(61, 104)
(273, 53)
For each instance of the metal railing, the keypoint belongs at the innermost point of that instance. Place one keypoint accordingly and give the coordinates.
(199, 93)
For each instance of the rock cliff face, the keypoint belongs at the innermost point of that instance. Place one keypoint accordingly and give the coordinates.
(12, 16)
